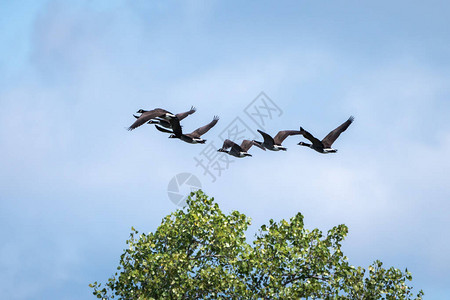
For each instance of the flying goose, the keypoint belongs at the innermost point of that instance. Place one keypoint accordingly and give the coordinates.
(147, 115)
(165, 123)
(194, 137)
(239, 151)
(274, 144)
(324, 146)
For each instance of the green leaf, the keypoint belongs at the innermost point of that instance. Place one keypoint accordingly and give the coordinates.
(199, 252)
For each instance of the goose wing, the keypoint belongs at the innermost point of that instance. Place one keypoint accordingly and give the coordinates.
(333, 135)
(236, 150)
(316, 142)
(183, 115)
(247, 144)
(282, 135)
(176, 127)
(227, 144)
(268, 140)
(204, 129)
(146, 116)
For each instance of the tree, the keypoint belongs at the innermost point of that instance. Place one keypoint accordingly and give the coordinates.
(200, 253)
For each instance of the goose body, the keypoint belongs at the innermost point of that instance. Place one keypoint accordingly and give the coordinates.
(193, 137)
(274, 144)
(239, 150)
(324, 146)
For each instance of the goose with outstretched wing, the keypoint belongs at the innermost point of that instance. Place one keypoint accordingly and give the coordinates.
(193, 137)
(239, 150)
(165, 123)
(274, 144)
(324, 146)
(147, 115)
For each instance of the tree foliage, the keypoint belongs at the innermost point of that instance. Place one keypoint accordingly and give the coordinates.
(201, 253)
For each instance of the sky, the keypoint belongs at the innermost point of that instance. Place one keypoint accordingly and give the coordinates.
(74, 181)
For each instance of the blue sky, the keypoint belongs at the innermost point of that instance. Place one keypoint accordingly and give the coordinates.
(73, 181)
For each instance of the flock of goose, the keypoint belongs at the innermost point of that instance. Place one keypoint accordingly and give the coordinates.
(168, 122)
